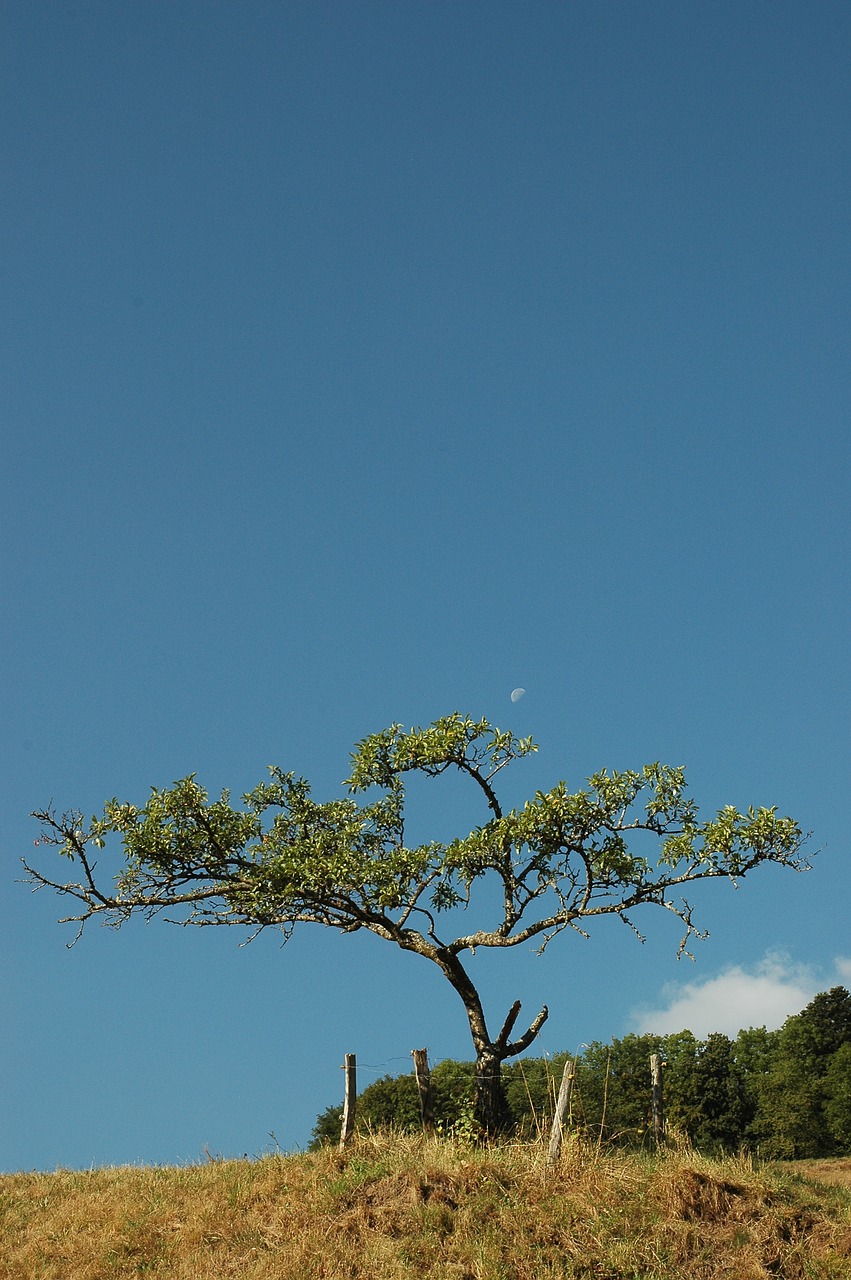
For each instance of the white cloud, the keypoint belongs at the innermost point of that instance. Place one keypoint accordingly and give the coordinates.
(842, 964)
(736, 998)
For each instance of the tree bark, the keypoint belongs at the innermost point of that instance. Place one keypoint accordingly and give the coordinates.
(491, 1109)
(491, 1113)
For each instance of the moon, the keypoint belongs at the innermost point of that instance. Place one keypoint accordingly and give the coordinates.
(517, 694)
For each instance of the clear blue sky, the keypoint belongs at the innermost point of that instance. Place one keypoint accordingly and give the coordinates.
(363, 361)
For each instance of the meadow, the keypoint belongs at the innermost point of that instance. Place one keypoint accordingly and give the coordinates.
(394, 1207)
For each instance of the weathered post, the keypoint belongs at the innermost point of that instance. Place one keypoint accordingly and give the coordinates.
(656, 1065)
(349, 1100)
(562, 1105)
(423, 1076)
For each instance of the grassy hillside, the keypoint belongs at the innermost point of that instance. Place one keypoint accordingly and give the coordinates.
(389, 1210)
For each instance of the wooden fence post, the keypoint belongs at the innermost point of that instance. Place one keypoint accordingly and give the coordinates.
(349, 1100)
(423, 1075)
(657, 1104)
(565, 1090)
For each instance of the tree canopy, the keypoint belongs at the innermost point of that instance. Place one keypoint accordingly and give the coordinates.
(628, 840)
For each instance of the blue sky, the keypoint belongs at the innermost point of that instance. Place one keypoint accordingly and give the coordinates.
(363, 361)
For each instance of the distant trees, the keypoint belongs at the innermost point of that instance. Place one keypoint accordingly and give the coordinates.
(785, 1094)
(705, 1091)
(802, 1104)
(837, 1098)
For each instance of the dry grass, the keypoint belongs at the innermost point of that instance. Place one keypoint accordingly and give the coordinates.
(398, 1208)
(836, 1173)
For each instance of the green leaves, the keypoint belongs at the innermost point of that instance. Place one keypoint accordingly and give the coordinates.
(455, 740)
(178, 828)
(627, 839)
(733, 843)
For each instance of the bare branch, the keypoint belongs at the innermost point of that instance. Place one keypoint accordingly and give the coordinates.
(519, 1046)
(508, 1025)
(484, 783)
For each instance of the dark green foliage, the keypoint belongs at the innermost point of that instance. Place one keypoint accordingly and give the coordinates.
(801, 1112)
(789, 1123)
(326, 1131)
(837, 1097)
(819, 1030)
(613, 1089)
(707, 1095)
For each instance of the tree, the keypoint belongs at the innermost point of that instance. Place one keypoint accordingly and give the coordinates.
(756, 1052)
(559, 862)
(799, 1116)
(613, 1089)
(837, 1105)
(824, 1026)
(705, 1091)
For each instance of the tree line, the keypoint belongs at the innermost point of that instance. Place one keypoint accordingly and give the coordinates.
(783, 1094)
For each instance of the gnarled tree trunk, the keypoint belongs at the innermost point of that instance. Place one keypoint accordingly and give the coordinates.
(491, 1108)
